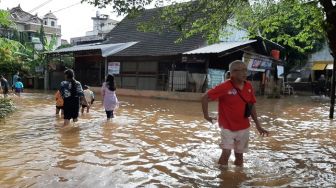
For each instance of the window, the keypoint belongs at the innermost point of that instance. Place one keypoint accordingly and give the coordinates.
(45, 22)
(52, 23)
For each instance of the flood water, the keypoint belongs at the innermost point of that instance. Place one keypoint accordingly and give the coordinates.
(164, 143)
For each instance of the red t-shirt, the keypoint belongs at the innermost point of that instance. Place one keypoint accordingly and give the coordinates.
(231, 107)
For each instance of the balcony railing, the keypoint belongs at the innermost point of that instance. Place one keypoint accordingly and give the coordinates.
(47, 29)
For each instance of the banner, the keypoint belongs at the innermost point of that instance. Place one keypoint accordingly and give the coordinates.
(215, 77)
(257, 63)
(113, 68)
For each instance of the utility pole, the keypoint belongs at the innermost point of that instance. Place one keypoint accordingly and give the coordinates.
(332, 95)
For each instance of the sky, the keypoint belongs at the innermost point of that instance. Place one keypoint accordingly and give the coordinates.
(74, 20)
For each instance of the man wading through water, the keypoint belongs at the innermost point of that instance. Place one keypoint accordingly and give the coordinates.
(233, 96)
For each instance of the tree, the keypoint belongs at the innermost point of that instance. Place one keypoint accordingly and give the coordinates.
(216, 13)
(4, 21)
(10, 56)
(38, 57)
(295, 25)
(329, 7)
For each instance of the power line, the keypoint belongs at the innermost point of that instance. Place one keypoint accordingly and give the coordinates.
(67, 7)
(39, 6)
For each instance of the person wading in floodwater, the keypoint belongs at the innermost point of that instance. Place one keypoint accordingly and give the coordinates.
(4, 86)
(72, 93)
(235, 104)
(109, 97)
(15, 79)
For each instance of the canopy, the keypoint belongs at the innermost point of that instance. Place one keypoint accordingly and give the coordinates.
(330, 66)
(106, 49)
(219, 47)
(319, 66)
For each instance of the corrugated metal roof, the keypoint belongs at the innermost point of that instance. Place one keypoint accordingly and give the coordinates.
(106, 49)
(219, 47)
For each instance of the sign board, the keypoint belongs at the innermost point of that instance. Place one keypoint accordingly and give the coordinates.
(280, 70)
(113, 68)
(257, 63)
(215, 77)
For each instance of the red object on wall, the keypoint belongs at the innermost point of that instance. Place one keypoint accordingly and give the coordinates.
(275, 54)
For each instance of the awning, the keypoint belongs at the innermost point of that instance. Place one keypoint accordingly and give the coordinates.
(106, 49)
(219, 47)
(318, 66)
(330, 67)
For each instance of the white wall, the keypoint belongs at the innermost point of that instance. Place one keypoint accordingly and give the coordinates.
(49, 22)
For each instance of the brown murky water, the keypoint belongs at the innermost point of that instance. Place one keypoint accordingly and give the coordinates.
(162, 143)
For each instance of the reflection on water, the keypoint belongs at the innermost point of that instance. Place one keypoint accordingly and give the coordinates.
(163, 143)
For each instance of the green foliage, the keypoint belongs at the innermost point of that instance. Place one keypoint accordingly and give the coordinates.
(202, 17)
(38, 58)
(298, 22)
(10, 55)
(121, 6)
(4, 21)
(6, 107)
(11, 51)
(329, 7)
(294, 24)
(42, 35)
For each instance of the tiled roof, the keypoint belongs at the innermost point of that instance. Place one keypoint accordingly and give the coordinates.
(50, 15)
(150, 43)
(18, 15)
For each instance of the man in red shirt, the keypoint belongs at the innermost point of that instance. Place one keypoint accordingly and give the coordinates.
(232, 96)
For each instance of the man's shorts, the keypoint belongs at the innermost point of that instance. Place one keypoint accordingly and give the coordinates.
(18, 90)
(59, 107)
(236, 140)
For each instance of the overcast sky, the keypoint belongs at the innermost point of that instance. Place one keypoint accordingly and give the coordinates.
(74, 20)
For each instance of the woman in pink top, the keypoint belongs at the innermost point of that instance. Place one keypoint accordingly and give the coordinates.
(110, 100)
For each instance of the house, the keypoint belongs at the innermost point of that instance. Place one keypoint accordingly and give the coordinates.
(321, 62)
(102, 25)
(28, 24)
(154, 61)
(143, 65)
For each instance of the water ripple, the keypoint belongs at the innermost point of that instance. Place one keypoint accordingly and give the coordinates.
(160, 143)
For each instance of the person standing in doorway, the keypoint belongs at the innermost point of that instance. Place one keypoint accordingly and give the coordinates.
(109, 97)
(15, 79)
(4, 86)
(72, 93)
(233, 96)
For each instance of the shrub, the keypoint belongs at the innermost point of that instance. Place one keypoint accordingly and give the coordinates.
(6, 107)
